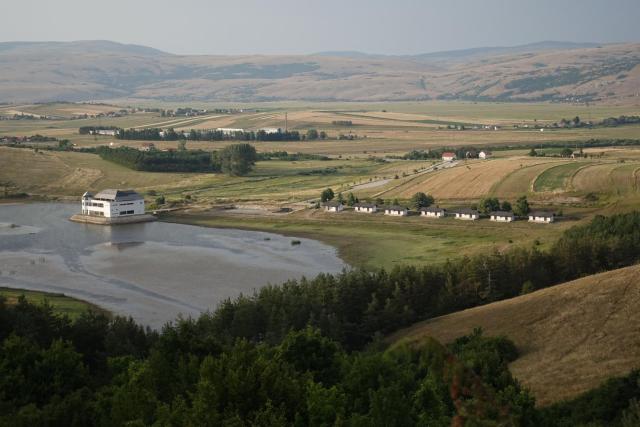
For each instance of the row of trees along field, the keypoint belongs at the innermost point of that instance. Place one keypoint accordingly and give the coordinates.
(472, 152)
(235, 159)
(308, 352)
(157, 134)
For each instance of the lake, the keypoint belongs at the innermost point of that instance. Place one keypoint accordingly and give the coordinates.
(152, 272)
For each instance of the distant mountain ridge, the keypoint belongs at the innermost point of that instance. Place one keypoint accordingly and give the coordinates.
(105, 70)
(83, 45)
(457, 53)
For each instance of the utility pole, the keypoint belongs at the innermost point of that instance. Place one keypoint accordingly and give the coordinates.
(285, 122)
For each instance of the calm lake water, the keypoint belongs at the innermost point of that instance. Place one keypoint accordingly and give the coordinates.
(152, 271)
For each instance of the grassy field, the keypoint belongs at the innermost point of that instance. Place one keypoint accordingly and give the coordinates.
(373, 241)
(571, 337)
(70, 174)
(61, 304)
(469, 180)
(558, 178)
(381, 128)
(441, 110)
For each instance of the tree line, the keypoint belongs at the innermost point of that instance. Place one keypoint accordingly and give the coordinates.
(289, 157)
(355, 306)
(308, 352)
(161, 161)
(157, 134)
(472, 152)
(234, 159)
(101, 372)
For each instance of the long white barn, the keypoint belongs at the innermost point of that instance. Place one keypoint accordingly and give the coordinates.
(113, 203)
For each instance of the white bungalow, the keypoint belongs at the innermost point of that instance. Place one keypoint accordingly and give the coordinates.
(541, 217)
(365, 207)
(502, 216)
(433, 212)
(484, 154)
(333, 207)
(113, 203)
(396, 211)
(448, 156)
(467, 214)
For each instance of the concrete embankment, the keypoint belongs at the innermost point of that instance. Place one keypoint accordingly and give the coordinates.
(87, 219)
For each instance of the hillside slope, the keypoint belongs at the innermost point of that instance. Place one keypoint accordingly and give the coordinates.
(92, 70)
(571, 336)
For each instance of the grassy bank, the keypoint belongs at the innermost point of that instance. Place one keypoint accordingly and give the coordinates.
(373, 241)
(60, 303)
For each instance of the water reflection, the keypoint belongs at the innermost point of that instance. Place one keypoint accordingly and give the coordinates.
(151, 271)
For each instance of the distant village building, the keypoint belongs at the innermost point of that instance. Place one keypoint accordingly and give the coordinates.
(270, 130)
(484, 154)
(541, 217)
(448, 156)
(467, 214)
(333, 207)
(365, 207)
(396, 211)
(502, 216)
(230, 131)
(113, 203)
(433, 212)
(147, 146)
(107, 132)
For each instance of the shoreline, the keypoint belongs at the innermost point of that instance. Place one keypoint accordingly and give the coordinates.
(98, 220)
(51, 298)
(152, 272)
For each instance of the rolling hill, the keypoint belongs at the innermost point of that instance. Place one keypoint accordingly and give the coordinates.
(571, 337)
(98, 70)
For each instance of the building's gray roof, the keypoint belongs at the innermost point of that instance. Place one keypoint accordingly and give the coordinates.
(542, 214)
(333, 204)
(395, 208)
(118, 195)
(87, 194)
(466, 211)
(502, 213)
(365, 205)
(432, 209)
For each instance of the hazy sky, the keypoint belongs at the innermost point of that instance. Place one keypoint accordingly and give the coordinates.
(304, 26)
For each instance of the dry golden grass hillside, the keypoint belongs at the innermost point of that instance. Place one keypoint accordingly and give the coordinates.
(571, 337)
(87, 70)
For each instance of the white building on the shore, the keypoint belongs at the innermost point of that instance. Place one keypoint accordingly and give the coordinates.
(365, 207)
(396, 211)
(541, 217)
(433, 212)
(113, 203)
(502, 216)
(333, 207)
(467, 214)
